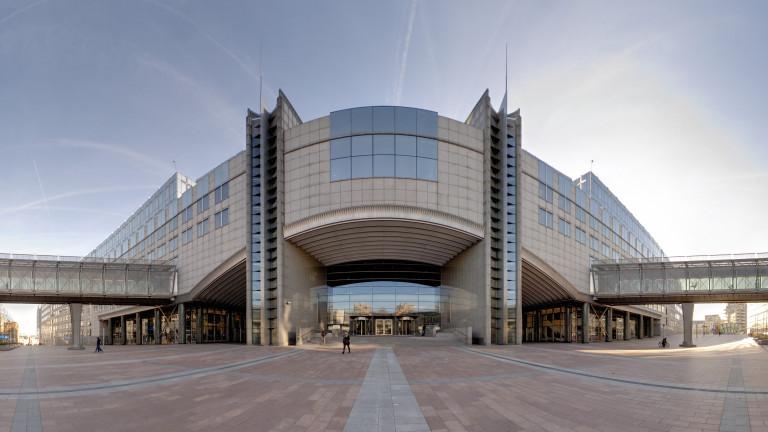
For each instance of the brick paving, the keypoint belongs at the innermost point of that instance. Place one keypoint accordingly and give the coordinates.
(314, 388)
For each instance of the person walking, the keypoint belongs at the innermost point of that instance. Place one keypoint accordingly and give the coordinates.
(98, 345)
(322, 335)
(345, 342)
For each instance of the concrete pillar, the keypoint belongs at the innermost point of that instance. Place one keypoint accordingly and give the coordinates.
(641, 333)
(75, 311)
(609, 325)
(568, 326)
(182, 335)
(158, 328)
(122, 330)
(137, 326)
(687, 326)
(627, 332)
(585, 330)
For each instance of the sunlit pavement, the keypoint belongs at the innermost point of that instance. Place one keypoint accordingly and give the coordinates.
(633, 386)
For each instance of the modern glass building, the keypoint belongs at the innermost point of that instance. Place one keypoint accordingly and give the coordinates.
(381, 221)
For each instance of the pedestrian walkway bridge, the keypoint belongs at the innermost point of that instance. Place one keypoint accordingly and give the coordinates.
(60, 279)
(698, 279)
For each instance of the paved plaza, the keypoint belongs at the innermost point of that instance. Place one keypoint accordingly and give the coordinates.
(403, 384)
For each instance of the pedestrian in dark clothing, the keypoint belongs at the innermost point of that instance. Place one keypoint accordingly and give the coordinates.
(424, 330)
(98, 345)
(345, 342)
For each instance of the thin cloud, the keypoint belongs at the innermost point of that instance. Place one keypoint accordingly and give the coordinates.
(41, 202)
(403, 65)
(212, 40)
(156, 166)
(42, 190)
(20, 11)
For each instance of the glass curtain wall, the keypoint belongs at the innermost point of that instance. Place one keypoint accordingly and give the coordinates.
(383, 141)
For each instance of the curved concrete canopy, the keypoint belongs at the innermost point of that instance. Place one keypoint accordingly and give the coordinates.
(224, 286)
(543, 285)
(383, 233)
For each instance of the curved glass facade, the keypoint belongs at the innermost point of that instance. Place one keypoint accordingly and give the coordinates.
(383, 142)
(382, 307)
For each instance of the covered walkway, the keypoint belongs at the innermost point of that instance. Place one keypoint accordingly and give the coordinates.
(686, 280)
(78, 281)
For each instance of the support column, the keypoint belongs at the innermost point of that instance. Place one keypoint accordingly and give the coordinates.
(182, 323)
(585, 330)
(199, 335)
(608, 325)
(687, 326)
(568, 329)
(158, 328)
(122, 330)
(137, 326)
(641, 334)
(75, 311)
(627, 333)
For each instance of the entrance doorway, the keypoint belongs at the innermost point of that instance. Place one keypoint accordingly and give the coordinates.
(383, 326)
(361, 326)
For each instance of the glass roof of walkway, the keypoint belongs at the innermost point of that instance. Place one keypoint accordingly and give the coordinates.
(699, 279)
(64, 279)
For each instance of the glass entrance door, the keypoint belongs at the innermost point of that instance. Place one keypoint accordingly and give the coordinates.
(383, 327)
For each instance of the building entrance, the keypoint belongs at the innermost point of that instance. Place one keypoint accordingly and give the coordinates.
(383, 326)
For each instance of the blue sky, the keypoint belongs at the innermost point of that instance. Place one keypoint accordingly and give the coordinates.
(97, 98)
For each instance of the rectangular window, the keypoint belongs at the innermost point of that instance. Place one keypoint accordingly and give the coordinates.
(545, 192)
(564, 227)
(173, 243)
(221, 218)
(160, 233)
(361, 120)
(581, 236)
(341, 169)
(581, 216)
(564, 204)
(406, 120)
(594, 243)
(186, 236)
(202, 228)
(384, 165)
(384, 145)
(405, 166)
(427, 148)
(405, 145)
(426, 169)
(221, 193)
(384, 119)
(362, 166)
(341, 148)
(545, 218)
(606, 250)
(186, 216)
(362, 145)
(593, 223)
(173, 224)
(160, 251)
(203, 204)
